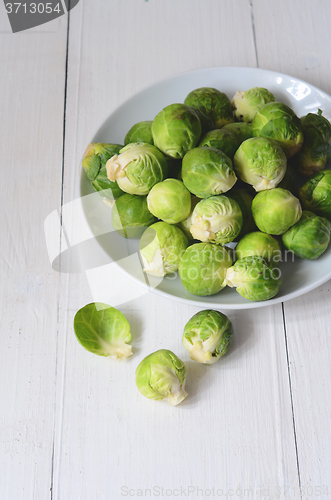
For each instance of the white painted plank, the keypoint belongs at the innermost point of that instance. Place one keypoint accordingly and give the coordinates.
(299, 44)
(31, 129)
(235, 428)
(293, 38)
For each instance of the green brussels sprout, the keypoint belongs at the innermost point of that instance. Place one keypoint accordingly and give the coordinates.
(202, 268)
(241, 130)
(174, 168)
(291, 180)
(275, 210)
(244, 200)
(185, 225)
(207, 336)
(260, 245)
(316, 149)
(309, 237)
(221, 139)
(94, 164)
(315, 194)
(176, 130)
(137, 168)
(161, 375)
(161, 247)
(130, 215)
(217, 219)
(279, 122)
(103, 330)
(260, 162)
(213, 103)
(140, 132)
(206, 123)
(254, 279)
(207, 171)
(169, 201)
(247, 103)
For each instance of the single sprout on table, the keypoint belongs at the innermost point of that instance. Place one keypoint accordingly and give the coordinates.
(247, 103)
(202, 268)
(94, 164)
(103, 330)
(260, 245)
(254, 279)
(275, 210)
(315, 194)
(176, 130)
(169, 201)
(241, 130)
(217, 219)
(140, 132)
(279, 122)
(161, 247)
(308, 238)
(260, 162)
(207, 336)
(185, 224)
(213, 103)
(130, 215)
(221, 139)
(244, 200)
(161, 376)
(137, 168)
(207, 171)
(316, 149)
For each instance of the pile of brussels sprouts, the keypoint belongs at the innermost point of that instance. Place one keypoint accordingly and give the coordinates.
(105, 331)
(212, 172)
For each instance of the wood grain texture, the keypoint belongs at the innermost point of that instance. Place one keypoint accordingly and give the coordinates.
(31, 128)
(235, 429)
(295, 39)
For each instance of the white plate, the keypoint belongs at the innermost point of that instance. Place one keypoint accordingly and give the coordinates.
(300, 276)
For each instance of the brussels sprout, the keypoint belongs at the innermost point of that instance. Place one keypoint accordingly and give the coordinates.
(260, 245)
(140, 132)
(247, 103)
(316, 149)
(315, 194)
(174, 168)
(260, 162)
(202, 268)
(137, 168)
(130, 216)
(169, 201)
(206, 123)
(291, 180)
(207, 171)
(309, 237)
(244, 200)
(241, 130)
(176, 130)
(221, 139)
(217, 219)
(161, 375)
(275, 210)
(213, 103)
(161, 247)
(103, 330)
(254, 279)
(187, 223)
(94, 163)
(279, 122)
(207, 336)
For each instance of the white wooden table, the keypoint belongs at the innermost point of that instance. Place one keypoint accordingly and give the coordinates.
(73, 425)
